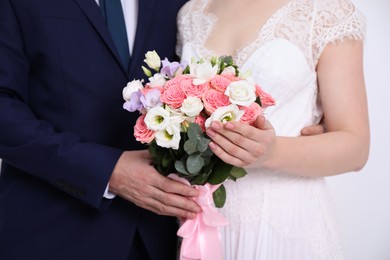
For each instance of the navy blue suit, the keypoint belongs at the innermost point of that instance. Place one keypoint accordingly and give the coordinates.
(63, 128)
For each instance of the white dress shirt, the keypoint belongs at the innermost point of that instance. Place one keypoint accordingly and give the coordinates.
(130, 13)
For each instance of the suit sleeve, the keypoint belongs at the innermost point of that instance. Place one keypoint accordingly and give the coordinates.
(33, 145)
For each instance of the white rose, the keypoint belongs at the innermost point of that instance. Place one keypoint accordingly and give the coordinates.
(131, 87)
(157, 119)
(203, 72)
(153, 60)
(225, 114)
(191, 106)
(241, 93)
(169, 137)
(157, 80)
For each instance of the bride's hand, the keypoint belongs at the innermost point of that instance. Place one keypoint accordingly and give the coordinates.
(241, 144)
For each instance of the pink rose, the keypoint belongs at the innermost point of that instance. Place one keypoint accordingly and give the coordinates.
(213, 99)
(251, 113)
(200, 120)
(173, 96)
(141, 132)
(192, 90)
(266, 99)
(220, 83)
(176, 81)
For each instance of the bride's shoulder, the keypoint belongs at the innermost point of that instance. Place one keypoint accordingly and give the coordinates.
(335, 10)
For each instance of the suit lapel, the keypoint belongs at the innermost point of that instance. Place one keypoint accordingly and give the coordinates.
(145, 14)
(92, 12)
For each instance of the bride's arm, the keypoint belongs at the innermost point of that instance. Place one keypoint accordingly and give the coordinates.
(343, 148)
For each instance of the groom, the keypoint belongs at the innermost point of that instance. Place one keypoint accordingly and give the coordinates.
(65, 139)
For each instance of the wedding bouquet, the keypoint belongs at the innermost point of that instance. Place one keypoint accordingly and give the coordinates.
(177, 104)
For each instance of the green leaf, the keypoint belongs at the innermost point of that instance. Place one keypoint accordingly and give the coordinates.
(220, 172)
(219, 196)
(166, 160)
(199, 179)
(194, 163)
(237, 172)
(181, 168)
(190, 146)
(258, 101)
(194, 131)
(203, 144)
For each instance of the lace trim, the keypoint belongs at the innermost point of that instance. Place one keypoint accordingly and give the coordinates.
(324, 21)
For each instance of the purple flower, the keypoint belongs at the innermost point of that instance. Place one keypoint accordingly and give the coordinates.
(151, 99)
(169, 68)
(135, 102)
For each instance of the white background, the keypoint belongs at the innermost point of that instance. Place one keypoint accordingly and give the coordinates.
(363, 199)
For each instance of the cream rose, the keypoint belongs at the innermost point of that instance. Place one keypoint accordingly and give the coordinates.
(241, 93)
(191, 106)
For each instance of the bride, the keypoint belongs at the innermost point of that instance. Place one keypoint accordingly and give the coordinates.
(308, 55)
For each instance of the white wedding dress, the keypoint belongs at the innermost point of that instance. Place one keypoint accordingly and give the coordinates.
(272, 215)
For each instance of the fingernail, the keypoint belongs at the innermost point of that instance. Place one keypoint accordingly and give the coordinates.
(212, 145)
(210, 132)
(215, 126)
(229, 125)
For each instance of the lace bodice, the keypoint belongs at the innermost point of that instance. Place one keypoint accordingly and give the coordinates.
(321, 22)
(283, 59)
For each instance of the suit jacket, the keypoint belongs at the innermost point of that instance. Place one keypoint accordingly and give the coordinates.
(63, 128)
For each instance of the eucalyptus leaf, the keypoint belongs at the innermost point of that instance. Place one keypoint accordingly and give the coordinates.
(219, 196)
(190, 146)
(203, 144)
(194, 131)
(181, 168)
(194, 163)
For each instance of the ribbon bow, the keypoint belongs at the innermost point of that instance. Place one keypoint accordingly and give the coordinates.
(200, 235)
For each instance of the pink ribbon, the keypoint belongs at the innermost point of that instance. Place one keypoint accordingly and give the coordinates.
(200, 235)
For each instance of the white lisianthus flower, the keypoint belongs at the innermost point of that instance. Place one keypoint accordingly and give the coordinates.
(153, 60)
(169, 137)
(229, 70)
(241, 92)
(158, 80)
(157, 119)
(225, 114)
(192, 106)
(202, 72)
(131, 87)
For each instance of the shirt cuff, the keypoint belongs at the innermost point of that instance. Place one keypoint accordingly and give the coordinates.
(107, 194)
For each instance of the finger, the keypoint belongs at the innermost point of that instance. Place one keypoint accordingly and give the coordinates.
(313, 130)
(244, 134)
(226, 157)
(162, 209)
(233, 143)
(262, 123)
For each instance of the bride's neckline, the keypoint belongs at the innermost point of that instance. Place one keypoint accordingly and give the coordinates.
(267, 25)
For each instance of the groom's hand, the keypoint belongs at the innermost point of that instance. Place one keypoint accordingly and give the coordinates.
(314, 129)
(136, 180)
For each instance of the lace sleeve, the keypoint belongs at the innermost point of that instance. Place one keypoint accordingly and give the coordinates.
(336, 20)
